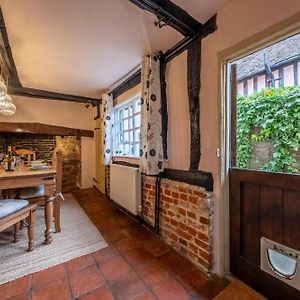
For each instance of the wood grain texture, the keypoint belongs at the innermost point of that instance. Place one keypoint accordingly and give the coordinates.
(193, 76)
(40, 128)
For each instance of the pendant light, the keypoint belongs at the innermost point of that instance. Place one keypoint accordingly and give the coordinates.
(7, 107)
(3, 88)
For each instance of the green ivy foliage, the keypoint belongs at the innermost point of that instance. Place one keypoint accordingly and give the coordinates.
(276, 112)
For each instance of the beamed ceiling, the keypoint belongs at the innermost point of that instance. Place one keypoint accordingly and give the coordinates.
(83, 47)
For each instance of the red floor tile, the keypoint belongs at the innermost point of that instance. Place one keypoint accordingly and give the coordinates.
(115, 268)
(128, 287)
(171, 289)
(127, 244)
(153, 274)
(85, 280)
(79, 263)
(57, 290)
(146, 296)
(157, 247)
(14, 288)
(22, 297)
(48, 275)
(105, 254)
(138, 256)
(102, 293)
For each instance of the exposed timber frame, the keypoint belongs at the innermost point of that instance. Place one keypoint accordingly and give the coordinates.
(41, 128)
(15, 87)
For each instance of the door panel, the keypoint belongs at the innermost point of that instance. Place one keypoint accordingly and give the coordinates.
(262, 205)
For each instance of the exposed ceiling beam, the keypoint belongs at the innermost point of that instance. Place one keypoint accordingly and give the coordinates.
(42, 94)
(171, 14)
(42, 128)
(15, 86)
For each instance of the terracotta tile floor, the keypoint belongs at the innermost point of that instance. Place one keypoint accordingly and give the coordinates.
(137, 265)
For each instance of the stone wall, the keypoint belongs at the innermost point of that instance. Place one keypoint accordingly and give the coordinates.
(186, 219)
(70, 147)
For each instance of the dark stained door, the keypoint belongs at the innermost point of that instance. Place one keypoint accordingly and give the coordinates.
(262, 204)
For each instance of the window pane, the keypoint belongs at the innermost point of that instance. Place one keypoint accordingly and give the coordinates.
(125, 114)
(125, 124)
(126, 149)
(131, 136)
(130, 123)
(137, 120)
(137, 106)
(136, 149)
(137, 135)
(126, 137)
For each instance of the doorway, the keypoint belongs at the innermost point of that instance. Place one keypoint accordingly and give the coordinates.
(264, 181)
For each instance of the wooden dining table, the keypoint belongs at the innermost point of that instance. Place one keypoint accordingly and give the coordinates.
(31, 178)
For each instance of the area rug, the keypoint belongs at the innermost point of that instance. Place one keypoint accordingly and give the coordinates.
(236, 290)
(78, 237)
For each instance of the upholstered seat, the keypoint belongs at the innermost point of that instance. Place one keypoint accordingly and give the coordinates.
(12, 212)
(32, 192)
(10, 206)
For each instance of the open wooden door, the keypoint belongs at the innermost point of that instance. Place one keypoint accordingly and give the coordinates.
(99, 180)
(262, 204)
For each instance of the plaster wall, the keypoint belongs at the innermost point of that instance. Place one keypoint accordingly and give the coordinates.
(60, 113)
(240, 24)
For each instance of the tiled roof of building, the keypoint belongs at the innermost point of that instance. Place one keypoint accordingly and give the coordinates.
(277, 54)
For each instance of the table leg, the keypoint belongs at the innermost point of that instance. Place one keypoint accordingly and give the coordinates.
(57, 214)
(48, 219)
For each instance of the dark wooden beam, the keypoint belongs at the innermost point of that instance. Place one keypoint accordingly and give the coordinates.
(209, 27)
(171, 14)
(40, 128)
(198, 178)
(164, 107)
(15, 86)
(129, 83)
(193, 76)
(42, 94)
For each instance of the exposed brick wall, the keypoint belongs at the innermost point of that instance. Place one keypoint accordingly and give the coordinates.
(70, 147)
(43, 145)
(107, 181)
(186, 218)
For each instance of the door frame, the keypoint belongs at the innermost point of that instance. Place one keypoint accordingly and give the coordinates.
(256, 42)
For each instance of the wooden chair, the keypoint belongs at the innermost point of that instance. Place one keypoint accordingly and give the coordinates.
(12, 212)
(36, 194)
(30, 154)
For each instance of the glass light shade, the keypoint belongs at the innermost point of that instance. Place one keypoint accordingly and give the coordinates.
(7, 107)
(3, 88)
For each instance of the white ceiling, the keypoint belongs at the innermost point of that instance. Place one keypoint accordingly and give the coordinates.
(82, 47)
(201, 10)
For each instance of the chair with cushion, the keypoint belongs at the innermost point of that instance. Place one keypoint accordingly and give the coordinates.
(12, 212)
(29, 154)
(37, 194)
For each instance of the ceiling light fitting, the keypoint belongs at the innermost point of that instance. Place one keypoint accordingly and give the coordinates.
(7, 107)
(161, 23)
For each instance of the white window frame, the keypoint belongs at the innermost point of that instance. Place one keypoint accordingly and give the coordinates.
(119, 131)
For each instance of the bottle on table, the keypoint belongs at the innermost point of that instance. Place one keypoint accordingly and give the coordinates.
(9, 160)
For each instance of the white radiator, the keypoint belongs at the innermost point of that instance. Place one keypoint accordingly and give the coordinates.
(125, 187)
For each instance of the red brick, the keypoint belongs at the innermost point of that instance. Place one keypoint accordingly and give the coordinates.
(193, 248)
(199, 194)
(183, 234)
(167, 199)
(152, 193)
(167, 192)
(191, 215)
(182, 226)
(175, 195)
(170, 213)
(205, 255)
(175, 201)
(191, 230)
(193, 199)
(204, 220)
(181, 211)
(148, 186)
(182, 189)
(166, 219)
(174, 222)
(203, 237)
(184, 197)
(182, 242)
